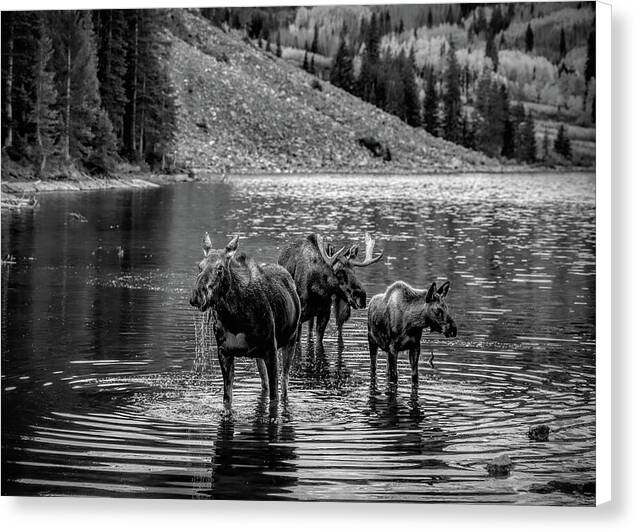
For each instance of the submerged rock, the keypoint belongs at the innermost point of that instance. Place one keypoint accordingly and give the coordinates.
(539, 433)
(565, 486)
(500, 466)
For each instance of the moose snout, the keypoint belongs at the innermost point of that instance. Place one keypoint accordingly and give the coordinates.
(194, 299)
(359, 299)
(451, 331)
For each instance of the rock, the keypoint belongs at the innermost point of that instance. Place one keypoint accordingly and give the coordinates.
(500, 466)
(77, 217)
(539, 433)
(565, 486)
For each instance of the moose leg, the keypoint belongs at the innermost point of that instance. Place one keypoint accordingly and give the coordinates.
(322, 318)
(227, 370)
(373, 351)
(263, 372)
(343, 312)
(414, 355)
(392, 366)
(310, 329)
(288, 357)
(272, 365)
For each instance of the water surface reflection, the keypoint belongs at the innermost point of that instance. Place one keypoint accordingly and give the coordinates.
(99, 395)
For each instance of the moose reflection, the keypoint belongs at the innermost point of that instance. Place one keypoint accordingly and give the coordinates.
(256, 312)
(322, 275)
(396, 319)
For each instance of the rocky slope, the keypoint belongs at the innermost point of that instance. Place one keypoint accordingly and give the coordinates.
(244, 110)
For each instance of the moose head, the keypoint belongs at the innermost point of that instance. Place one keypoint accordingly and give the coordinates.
(343, 262)
(214, 273)
(436, 311)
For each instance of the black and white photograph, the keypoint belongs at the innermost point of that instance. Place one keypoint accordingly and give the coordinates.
(340, 253)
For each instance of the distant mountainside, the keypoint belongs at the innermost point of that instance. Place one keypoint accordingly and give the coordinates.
(240, 108)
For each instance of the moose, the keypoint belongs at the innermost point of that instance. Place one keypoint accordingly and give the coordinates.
(396, 319)
(342, 309)
(256, 311)
(322, 274)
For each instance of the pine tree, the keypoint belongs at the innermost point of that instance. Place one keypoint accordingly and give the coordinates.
(529, 148)
(430, 19)
(306, 64)
(562, 44)
(451, 102)
(368, 88)
(314, 48)
(589, 69)
(528, 39)
(393, 92)
(311, 69)
(111, 31)
(508, 134)
(562, 143)
(341, 74)
(8, 76)
(468, 135)
(518, 116)
(412, 100)
(450, 19)
(494, 127)
(480, 24)
(43, 116)
(430, 107)
(19, 50)
(75, 61)
(149, 121)
(268, 48)
(491, 51)
(496, 24)
(524, 126)
(279, 51)
(545, 144)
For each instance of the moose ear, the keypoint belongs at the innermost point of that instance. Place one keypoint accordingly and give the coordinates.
(231, 246)
(430, 293)
(444, 289)
(206, 244)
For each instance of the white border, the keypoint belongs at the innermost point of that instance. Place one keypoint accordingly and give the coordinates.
(603, 253)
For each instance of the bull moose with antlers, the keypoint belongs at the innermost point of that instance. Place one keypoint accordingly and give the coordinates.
(321, 275)
(256, 311)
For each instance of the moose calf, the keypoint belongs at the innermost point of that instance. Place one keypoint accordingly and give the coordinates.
(396, 319)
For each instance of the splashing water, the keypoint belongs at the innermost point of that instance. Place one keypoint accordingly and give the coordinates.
(204, 342)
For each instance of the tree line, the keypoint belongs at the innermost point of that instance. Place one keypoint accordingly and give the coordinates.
(485, 119)
(86, 89)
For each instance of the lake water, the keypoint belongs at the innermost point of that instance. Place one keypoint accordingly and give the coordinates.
(102, 395)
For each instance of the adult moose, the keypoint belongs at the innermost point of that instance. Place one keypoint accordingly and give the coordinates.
(396, 319)
(342, 309)
(256, 312)
(320, 274)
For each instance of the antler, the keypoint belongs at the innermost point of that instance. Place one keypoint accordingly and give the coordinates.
(206, 243)
(324, 249)
(369, 253)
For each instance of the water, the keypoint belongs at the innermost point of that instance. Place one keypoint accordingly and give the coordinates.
(103, 394)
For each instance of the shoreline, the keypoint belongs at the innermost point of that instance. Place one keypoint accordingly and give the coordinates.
(18, 194)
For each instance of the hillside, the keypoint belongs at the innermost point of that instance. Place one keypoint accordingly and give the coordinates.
(240, 108)
(539, 52)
